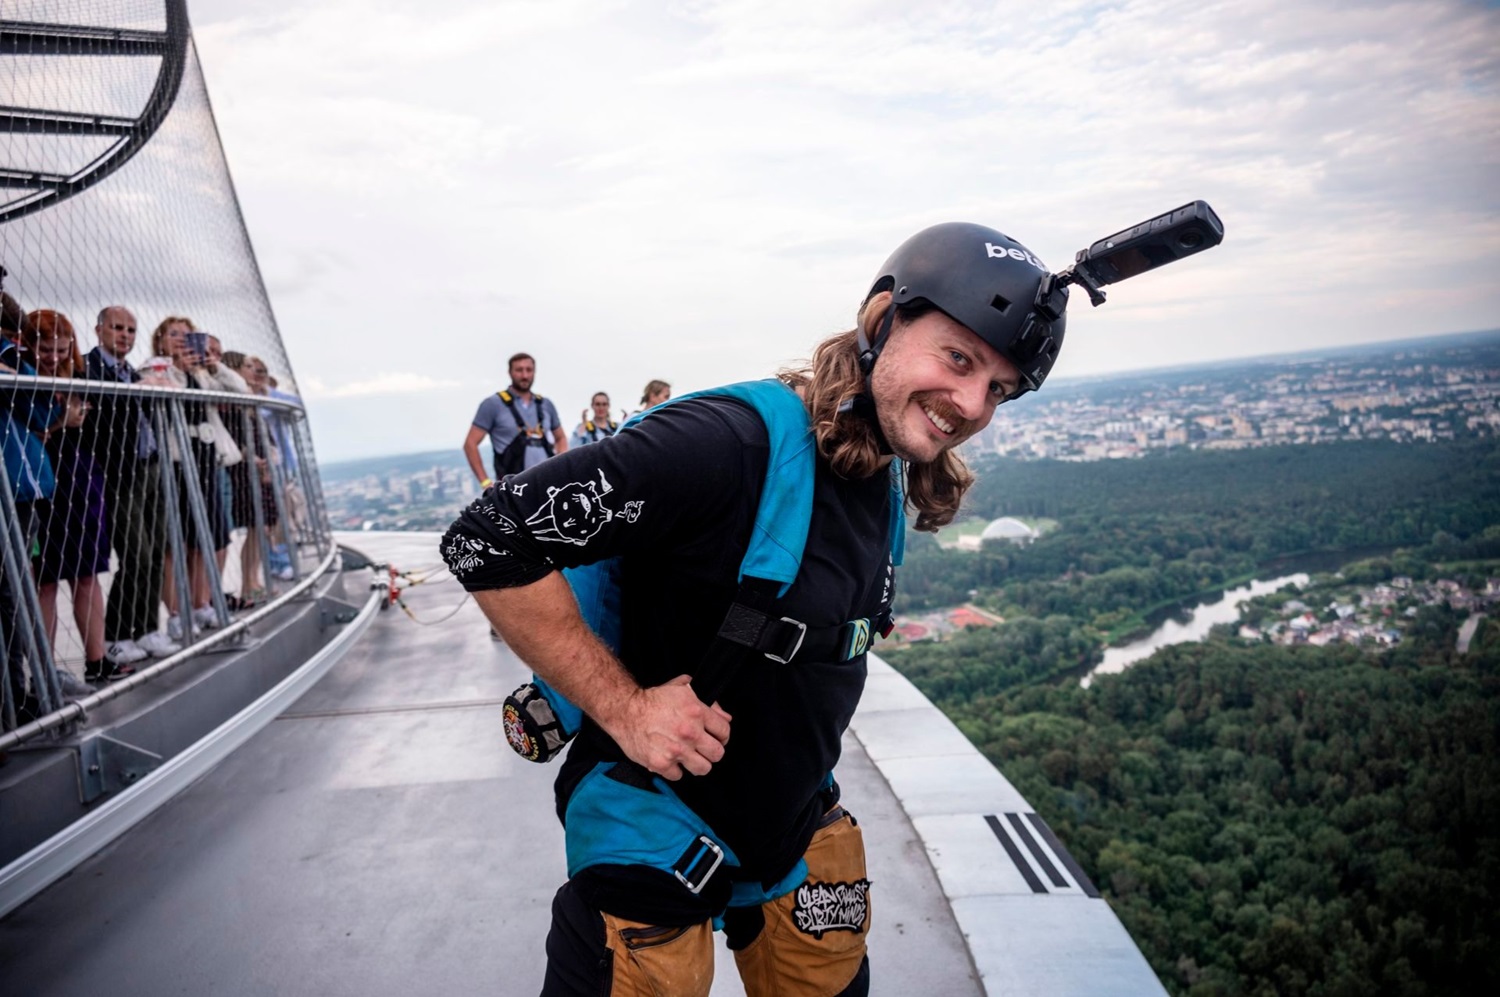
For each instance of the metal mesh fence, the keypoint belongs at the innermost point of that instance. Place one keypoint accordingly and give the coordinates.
(167, 481)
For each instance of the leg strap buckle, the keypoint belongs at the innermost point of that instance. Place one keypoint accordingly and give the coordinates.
(698, 864)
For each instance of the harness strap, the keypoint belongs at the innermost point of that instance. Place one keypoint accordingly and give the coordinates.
(537, 401)
(753, 625)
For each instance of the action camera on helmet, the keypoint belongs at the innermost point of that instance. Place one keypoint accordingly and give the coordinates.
(1180, 232)
(1004, 294)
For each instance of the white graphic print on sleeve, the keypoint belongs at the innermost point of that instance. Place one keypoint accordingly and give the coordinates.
(507, 526)
(576, 512)
(464, 554)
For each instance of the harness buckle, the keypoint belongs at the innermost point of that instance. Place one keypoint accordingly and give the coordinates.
(704, 851)
(801, 636)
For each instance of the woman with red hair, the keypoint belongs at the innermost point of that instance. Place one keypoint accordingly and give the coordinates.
(73, 543)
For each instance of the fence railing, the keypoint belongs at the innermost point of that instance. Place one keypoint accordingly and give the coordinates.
(170, 516)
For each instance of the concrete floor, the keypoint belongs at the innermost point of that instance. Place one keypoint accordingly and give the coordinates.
(381, 838)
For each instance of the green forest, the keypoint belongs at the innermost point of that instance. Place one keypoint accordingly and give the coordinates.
(1134, 533)
(1264, 819)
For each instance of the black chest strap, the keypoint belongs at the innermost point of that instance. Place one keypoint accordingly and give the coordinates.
(752, 628)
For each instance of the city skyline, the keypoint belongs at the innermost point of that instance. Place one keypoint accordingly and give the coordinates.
(1412, 391)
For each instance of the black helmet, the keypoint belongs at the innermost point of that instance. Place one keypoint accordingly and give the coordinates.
(986, 281)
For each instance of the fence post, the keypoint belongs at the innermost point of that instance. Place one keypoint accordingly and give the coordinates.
(258, 527)
(278, 495)
(166, 442)
(317, 512)
(199, 511)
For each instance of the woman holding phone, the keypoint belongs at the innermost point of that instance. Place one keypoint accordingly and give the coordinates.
(189, 357)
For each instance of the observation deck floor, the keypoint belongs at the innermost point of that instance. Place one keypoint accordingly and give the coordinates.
(381, 838)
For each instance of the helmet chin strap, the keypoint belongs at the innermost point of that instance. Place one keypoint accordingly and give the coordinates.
(863, 404)
(870, 352)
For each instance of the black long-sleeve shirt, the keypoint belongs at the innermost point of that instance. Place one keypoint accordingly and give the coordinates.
(676, 497)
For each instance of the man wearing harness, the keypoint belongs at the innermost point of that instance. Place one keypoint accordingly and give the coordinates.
(523, 427)
(950, 328)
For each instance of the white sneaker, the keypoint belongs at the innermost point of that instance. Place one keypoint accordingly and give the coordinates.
(174, 629)
(157, 645)
(285, 574)
(72, 686)
(204, 618)
(124, 652)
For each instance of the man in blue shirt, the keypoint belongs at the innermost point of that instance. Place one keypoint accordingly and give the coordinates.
(523, 427)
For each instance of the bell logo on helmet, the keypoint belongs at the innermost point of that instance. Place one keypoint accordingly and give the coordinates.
(1000, 253)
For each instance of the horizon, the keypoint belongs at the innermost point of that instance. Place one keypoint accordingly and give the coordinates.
(1395, 345)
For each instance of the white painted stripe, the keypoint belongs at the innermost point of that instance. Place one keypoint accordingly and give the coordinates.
(1061, 942)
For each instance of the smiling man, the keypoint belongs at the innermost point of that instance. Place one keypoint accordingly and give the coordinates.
(700, 785)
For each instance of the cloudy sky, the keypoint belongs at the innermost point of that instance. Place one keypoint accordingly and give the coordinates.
(699, 191)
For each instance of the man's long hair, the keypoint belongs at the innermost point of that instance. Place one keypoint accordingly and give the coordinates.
(831, 381)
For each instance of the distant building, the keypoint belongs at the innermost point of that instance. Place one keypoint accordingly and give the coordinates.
(910, 631)
(965, 616)
(1010, 529)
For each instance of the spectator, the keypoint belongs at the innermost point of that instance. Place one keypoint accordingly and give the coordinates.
(523, 427)
(169, 340)
(598, 426)
(252, 472)
(28, 471)
(122, 438)
(656, 392)
(73, 541)
(281, 430)
(222, 378)
(216, 376)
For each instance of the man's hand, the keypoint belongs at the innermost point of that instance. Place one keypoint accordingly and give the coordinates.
(668, 730)
(665, 729)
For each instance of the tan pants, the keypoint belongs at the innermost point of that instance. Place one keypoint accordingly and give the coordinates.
(810, 942)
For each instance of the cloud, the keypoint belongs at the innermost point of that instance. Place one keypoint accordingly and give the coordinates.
(389, 383)
(697, 192)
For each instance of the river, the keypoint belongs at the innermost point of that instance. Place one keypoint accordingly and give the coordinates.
(1189, 623)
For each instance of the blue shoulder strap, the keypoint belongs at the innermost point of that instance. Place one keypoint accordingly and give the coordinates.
(786, 498)
(782, 518)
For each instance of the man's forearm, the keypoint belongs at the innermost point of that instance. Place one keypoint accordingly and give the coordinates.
(541, 623)
(471, 451)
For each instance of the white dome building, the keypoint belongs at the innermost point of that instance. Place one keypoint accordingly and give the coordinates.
(1008, 528)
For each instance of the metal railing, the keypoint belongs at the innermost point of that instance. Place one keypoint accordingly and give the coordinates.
(277, 492)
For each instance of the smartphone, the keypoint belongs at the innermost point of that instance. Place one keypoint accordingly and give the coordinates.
(197, 342)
